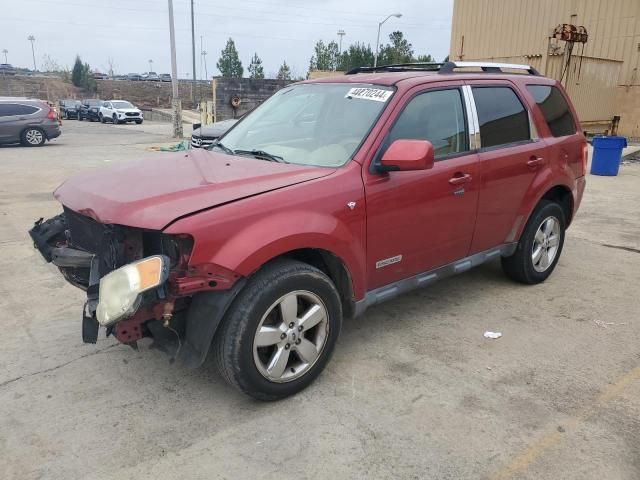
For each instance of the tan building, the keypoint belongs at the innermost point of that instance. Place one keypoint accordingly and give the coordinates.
(600, 75)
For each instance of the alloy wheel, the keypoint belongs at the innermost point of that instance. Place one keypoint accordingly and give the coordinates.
(34, 137)
(545, 244)
(291, 336)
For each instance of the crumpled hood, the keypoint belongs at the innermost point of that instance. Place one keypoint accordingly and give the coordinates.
(153, 192)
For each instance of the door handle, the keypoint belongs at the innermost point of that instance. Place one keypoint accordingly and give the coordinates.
(535, 161)
(460, 178)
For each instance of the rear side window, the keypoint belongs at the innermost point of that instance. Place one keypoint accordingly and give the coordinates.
(503, 119)
(436, 116)
(554, 108)
(10, 109)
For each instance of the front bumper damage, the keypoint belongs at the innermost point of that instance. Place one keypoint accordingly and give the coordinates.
(180, 324)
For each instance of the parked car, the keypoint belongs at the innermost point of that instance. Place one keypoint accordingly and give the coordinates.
(119, 111)
(99, 76)
(90, 109)
(27, 121)
(70, 108)
(7, 69)
(165, 77)
(205, 135)
(151, 77)
(332, 196)
(136, 77)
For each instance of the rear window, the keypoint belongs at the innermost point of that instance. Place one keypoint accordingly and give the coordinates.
(10, 109)
(554, 109)
(503, 119)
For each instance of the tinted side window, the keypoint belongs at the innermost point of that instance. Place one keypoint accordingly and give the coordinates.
(554, 108)
(502, 117)
(436, 116)
(24, 110)
(6, 109)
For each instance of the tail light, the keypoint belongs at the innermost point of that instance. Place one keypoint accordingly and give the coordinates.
(585, 158)
(52, 114)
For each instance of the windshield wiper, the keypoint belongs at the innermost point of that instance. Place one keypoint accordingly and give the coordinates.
(262, 155)
(225, 149)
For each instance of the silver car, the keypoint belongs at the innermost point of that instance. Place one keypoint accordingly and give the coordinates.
(205, 135)
(27, 121)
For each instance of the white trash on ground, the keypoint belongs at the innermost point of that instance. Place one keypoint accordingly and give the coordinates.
(493, 335)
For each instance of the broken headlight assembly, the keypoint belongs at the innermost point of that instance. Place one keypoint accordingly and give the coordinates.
(121, 290)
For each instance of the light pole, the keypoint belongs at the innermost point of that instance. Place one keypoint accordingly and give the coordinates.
(375, 59)
(341, 33)
(175, 101)
(5, 51)
(150, 65)
(32, 39)
(204, 59)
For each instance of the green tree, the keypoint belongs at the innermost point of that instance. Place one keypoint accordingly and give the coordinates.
(325, 56)
(356, 55)
(229, 63)
(76, 73)
(284, 72)
(256, 70)
(399, 50)
(424, 59)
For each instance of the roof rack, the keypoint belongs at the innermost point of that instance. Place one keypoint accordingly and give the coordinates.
(446, 67)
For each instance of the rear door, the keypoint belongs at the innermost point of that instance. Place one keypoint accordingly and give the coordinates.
(14, 117)
(510, 156)
(420, 220)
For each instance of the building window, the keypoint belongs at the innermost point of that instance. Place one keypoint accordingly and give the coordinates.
(436, 116)
(554, 109)
(503, 119)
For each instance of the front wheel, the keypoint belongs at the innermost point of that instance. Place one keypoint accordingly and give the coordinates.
(101, 118)
(114, 119)
(539, 247)
(280, 331)
(138, 122)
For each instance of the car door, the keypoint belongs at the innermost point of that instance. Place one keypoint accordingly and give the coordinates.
(14, 118)
(420, 220)
(510, 156)
(107, 110)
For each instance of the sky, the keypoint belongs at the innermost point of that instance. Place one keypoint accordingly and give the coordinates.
(132, 32)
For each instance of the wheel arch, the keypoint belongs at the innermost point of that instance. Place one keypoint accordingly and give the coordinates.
(36, 127)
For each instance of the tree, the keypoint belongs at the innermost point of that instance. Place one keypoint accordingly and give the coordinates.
(356, 55)
(229, 63)
(49, 64)
(81, 76)
(256, 70)
(398, 51)
(325, 56)
(424, 59)
(284, 73)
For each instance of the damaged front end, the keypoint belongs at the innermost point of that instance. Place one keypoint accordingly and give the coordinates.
(135, 268)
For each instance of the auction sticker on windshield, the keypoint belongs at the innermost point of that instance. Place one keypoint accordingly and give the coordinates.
(365, 93)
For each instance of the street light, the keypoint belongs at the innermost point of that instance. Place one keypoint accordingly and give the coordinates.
(375, 59)
(5, 51)
(32, 39)
(341, 33)
(150, 65)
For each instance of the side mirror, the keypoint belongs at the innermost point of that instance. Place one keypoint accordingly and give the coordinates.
(406, 155)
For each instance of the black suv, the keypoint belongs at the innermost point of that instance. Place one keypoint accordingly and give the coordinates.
(89, 109)
(69, 108)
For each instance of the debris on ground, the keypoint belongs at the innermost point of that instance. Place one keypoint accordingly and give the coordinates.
(176, 147)
(493, 335)
(602, 324)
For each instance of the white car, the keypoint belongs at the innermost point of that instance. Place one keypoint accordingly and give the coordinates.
(119, 111)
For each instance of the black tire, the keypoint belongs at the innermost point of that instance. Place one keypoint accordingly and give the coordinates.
(138, 122)
(101, 118)
(79, 117)
(233, 344)
(33, 137)
(520, 266)
(114, 119)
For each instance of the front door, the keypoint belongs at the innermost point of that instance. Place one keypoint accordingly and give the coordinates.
(420, 220)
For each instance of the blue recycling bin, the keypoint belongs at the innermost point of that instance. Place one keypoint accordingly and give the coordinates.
(607, 153)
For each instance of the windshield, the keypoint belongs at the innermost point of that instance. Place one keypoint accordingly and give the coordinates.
(94, 103)
(122, 105)
(311, 124)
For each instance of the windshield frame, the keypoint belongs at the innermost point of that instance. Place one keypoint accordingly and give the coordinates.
(392, 88)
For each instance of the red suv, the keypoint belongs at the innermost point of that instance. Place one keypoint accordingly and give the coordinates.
(332, 196)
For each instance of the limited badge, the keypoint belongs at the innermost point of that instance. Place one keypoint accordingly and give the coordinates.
(388, 261)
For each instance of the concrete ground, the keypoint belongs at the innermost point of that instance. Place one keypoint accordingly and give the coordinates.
(413, 391)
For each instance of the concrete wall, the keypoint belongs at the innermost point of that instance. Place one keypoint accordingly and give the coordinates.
(152, 94)
(519, 30)
(44, 88)
(251, 93)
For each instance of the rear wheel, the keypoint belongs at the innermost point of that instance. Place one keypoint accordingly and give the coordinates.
(101, 118)
(280, 332)
(539, 247)
(33, 137)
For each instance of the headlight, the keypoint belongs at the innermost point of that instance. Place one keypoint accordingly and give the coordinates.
(120, 290)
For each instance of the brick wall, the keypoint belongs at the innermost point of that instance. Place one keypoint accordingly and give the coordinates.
(251, 93)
